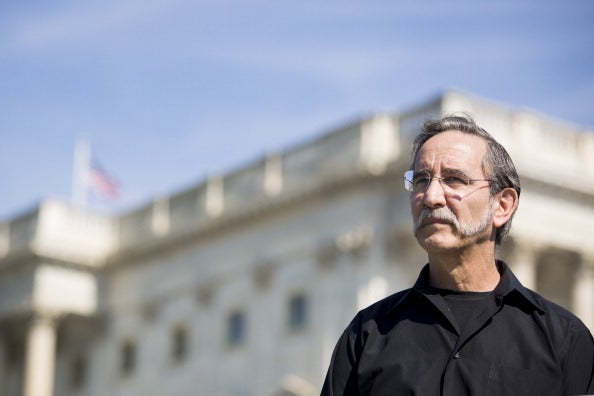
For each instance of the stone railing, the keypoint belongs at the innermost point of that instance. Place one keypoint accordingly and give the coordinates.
(58, 230)
(542, 149)
(367, 146)
(16, 236)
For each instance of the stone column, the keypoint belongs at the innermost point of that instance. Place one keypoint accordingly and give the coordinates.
(522, 260)
(38, 378)
(583, 293)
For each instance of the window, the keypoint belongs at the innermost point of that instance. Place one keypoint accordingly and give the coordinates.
(236, 328)
(297, 312)
(127, 358)
(179, 344)
(78, 372)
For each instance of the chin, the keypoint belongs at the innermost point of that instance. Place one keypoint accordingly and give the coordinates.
(435, 242)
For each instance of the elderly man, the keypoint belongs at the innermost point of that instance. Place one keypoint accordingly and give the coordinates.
(467, 326)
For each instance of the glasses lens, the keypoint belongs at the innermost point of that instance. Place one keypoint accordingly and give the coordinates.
(408, 180)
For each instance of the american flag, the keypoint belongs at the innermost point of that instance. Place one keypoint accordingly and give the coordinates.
(101, 183)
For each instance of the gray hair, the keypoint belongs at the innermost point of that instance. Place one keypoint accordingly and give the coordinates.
(497, 164)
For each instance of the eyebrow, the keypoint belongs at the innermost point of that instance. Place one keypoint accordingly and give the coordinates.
(447, 171)
(454, 172)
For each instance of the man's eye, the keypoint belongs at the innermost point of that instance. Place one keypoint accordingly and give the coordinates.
(454, 181)
(421, 180)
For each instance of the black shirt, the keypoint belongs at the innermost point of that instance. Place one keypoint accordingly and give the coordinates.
(463, 304)
(410, 343)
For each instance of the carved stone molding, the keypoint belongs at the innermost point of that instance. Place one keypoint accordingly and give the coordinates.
(327, 255)
(204, 294)
(150, 311)
(263, 274)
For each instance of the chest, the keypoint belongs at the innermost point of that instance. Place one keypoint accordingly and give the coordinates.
(427, 355)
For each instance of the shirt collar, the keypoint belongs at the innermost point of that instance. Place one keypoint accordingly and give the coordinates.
(508, 290)
(509, 286)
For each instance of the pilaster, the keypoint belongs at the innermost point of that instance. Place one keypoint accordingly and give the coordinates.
(583, 293)
(521, 256)
(38, 378)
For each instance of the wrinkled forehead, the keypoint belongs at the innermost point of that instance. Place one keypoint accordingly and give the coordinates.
(452, 150)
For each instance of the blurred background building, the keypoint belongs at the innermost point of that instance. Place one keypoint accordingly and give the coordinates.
(241, 284)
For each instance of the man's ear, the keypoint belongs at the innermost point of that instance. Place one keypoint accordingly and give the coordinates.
(505, 204)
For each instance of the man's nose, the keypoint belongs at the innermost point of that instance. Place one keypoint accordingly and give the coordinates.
(434, 195)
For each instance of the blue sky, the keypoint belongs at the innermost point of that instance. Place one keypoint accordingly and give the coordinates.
(171, 91)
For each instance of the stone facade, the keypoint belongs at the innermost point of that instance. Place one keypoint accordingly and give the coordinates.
(242, 284)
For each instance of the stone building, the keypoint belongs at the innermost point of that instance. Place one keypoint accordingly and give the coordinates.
(242, 284)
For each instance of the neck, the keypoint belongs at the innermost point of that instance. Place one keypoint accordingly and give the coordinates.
(470, 271)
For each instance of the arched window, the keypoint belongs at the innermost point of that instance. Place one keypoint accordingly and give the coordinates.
(179, 344)
(298, 312)
(127, 358)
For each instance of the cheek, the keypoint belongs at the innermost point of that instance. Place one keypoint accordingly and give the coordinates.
(416, 206)
(477, 211)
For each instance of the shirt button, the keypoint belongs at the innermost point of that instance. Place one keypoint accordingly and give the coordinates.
(457, 355)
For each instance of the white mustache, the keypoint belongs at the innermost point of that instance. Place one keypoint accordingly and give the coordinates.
(444, 214)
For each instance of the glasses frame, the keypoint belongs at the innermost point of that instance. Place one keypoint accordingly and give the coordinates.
(409, 183)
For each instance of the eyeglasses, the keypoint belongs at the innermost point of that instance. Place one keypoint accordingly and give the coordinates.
(456, 183)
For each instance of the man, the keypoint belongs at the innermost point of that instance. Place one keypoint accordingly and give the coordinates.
(467, 326)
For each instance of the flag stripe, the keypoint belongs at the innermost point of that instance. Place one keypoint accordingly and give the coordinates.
(102, 184)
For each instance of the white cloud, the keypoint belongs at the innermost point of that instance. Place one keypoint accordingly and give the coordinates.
(80, 21)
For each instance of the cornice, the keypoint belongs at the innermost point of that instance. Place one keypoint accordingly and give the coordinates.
(247, 214)
(29, 258)
(542, 187)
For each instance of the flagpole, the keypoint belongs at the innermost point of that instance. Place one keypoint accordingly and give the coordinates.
(80, 172)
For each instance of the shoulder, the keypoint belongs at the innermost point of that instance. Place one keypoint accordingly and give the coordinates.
(380, 311)
(559, 320)
(554, 316)
(552, 309)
